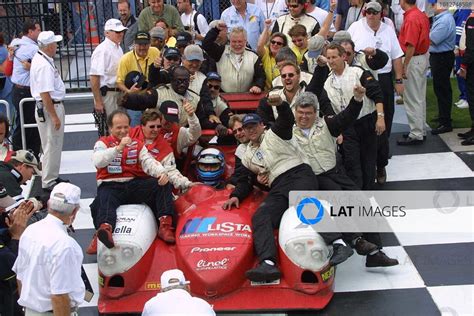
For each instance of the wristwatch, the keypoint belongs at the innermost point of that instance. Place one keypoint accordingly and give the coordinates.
(381, 114)
(399, 81)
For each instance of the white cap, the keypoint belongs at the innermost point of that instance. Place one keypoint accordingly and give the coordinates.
(114, 25)
(48, 37)
(172, 278)
(66, 193)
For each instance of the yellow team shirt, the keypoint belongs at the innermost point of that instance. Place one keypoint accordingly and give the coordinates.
(131, 62)
(270, 68)
(299, 54)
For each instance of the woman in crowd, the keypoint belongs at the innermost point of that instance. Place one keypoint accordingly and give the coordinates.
(267, 48)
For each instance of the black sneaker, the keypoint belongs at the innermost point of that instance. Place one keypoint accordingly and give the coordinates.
(340, 253)
(466, 135)
(380, 259)
(364, 247)
(468, 141)
(263, 273)
(381, 175)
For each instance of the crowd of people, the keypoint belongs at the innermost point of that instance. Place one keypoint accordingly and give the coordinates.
(327, 73)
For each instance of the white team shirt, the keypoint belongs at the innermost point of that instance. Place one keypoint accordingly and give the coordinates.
(272, 10)
(384, 39)
(188, 20)
(104, 62)
(45, 77)
(177, 302)
(320, 15)
(48, 263)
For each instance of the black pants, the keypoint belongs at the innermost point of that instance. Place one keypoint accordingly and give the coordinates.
(33, 140)
(332, 180)
(9, 298)
(360, 151)
(110, 195)
(470, 90)
(441, 69)
(383, 147)
(268, 215)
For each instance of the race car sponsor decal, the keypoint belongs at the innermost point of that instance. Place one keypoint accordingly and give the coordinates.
(152, 286)
(131, 161)
(208, 226)
(212, 265)
(327, 275)
(213, 249)
(125, 225)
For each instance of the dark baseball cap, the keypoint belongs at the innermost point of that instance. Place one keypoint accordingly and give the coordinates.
(135, 77)
(213, 76)
(251, 118)
(142, 38)
(170, 111)
(171, 52)
(183, 39)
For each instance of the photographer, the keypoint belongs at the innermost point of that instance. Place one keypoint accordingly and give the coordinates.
(13, 225)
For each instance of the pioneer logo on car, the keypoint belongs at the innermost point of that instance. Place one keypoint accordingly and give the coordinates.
(213, 249)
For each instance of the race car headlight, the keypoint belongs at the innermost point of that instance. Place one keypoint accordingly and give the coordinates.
(118, 259)
(307, 253)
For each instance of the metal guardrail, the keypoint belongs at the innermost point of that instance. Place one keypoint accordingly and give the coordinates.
(70, 97)
(7, 107)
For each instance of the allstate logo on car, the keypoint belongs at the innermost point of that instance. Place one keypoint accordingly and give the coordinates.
(305, 203)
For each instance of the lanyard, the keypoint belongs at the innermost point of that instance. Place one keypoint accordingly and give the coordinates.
(271, 9)
(139, 67)
(47, 59)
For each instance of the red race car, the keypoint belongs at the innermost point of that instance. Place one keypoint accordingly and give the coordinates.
(213, 248)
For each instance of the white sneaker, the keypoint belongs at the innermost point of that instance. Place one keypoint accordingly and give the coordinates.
(462, 104)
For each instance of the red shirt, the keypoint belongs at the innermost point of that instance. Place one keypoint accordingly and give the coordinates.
(415, 31)
(126, 164)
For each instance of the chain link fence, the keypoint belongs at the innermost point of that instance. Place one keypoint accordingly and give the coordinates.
(81, 24)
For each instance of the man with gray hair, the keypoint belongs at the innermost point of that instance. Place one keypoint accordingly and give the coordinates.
(49, 91)
(48, 266)
(240, 68)
(175, 298)
(317, 139)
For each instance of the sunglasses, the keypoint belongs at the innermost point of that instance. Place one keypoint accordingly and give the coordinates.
(371, 12)
(277, 43)
(173, 58)
(294, 6)
(214, 86)
(182, 81)
(237, 130)
(290, 75)
(154, 126)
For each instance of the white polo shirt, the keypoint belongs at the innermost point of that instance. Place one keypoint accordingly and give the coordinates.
(177, 302)
(48, 263)
(320, 15)
(384, 39)
(104, 62)
(45, 77)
